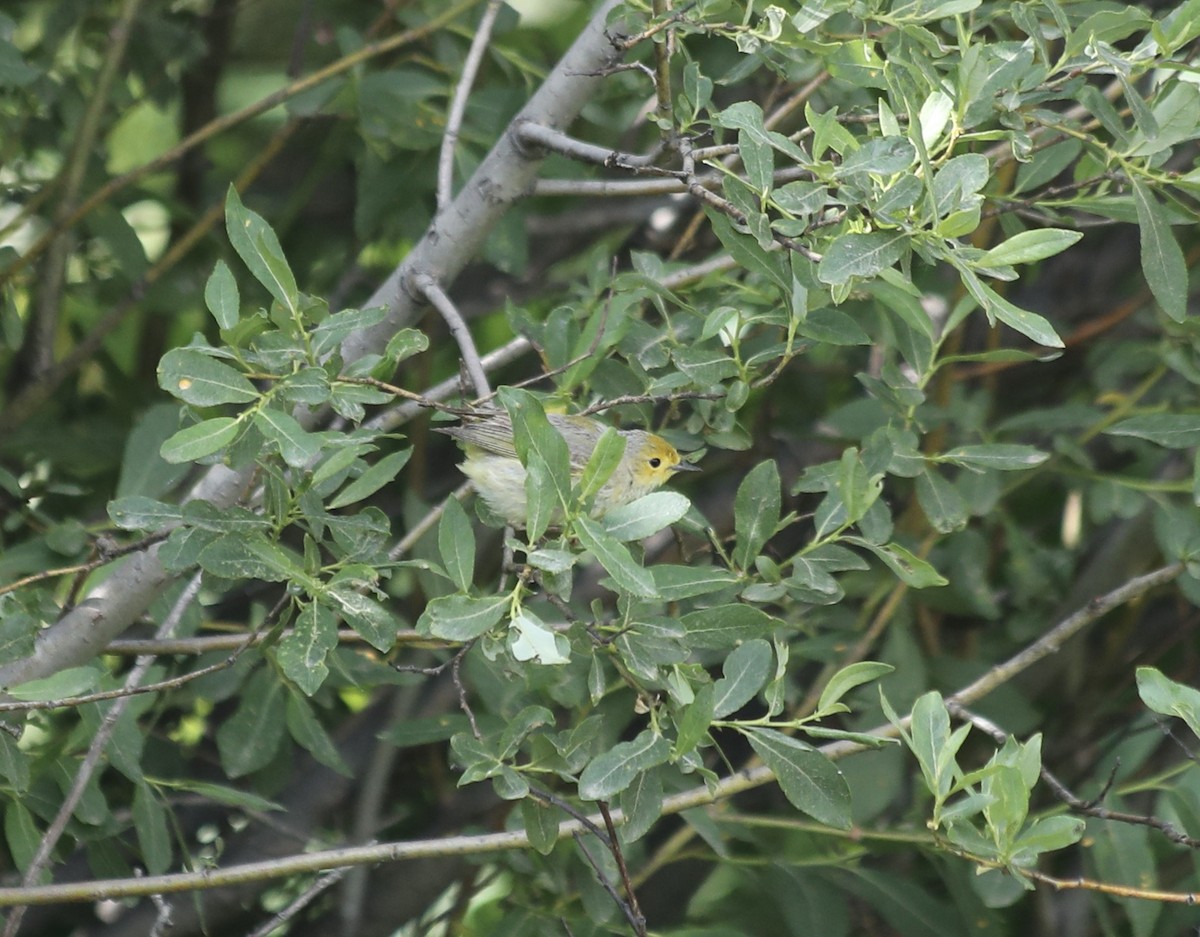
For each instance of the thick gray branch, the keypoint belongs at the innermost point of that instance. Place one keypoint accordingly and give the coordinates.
(504, 177)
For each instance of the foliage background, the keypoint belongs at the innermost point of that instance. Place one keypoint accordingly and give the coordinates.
(911, 455)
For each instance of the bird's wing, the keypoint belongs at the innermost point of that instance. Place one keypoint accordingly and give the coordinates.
(492, 434)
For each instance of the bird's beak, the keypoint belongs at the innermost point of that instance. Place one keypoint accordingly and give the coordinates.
(686, 467)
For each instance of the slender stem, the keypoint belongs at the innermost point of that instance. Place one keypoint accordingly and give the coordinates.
(458, 103)
(437, 297)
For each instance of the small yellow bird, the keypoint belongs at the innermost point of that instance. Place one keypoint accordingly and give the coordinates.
(492, 464)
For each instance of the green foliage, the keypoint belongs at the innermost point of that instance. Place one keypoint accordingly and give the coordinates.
(941, 395)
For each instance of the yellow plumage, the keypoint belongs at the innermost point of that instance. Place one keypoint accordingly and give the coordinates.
(492, 464)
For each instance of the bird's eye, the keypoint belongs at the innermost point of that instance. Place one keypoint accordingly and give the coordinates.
(655, 462)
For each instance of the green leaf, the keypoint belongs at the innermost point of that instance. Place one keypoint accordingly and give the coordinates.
(847, 679)
(456, 543)
(250, 556)
(1123, 852)
(404, 344)
(308, 385)
(150, 821)
(14, 764)
(308, 732)
(613, 771)
(881, 156)
(297, 446)
(641, 802)
(143, 470)
(1029, 324)
(22, 835)
(530, 638)
(219, 793)
(461, 617)
(249, 739)
(809, 780)
(759, 160)
(301, 653)
(941, 502)
(1004, 457)
(424, 730)
(365, 615)
(1029, 246)
(201, 380)
(833, 327)
(1047, 834)
(221, 296)
(610, 447)
(260, 251)
(328, 336)
(673, 583)
(646, 516)
(726, 625)
(858, 490)
(756, 509)
(65, 683)
(861, 255)
(540, 821)
(1169, 698)
(957, 184)
(203, 439)
(139, 513)
(911, 569)
(1162, 260)
(544, 453)
(930, 734)
(627, 574)
(746, 670)
(1171, 430)
(692, 725)
(374, 478)
(746, 251)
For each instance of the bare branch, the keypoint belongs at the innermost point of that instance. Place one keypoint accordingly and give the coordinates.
(437, 297)
(458, 103)
(540, 136)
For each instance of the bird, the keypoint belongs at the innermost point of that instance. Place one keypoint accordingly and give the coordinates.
(493, 465)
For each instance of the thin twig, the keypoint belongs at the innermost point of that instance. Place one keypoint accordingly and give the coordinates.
(539, 135)
(426, 523)
(648, 398)
(540, 793)
(300, 902)
(205, 644)
(51, 278)
(638, 925)
(432, 290)
(107, 555)
(636, 188)
(614, 844)
(458, 102)
(662, 74)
